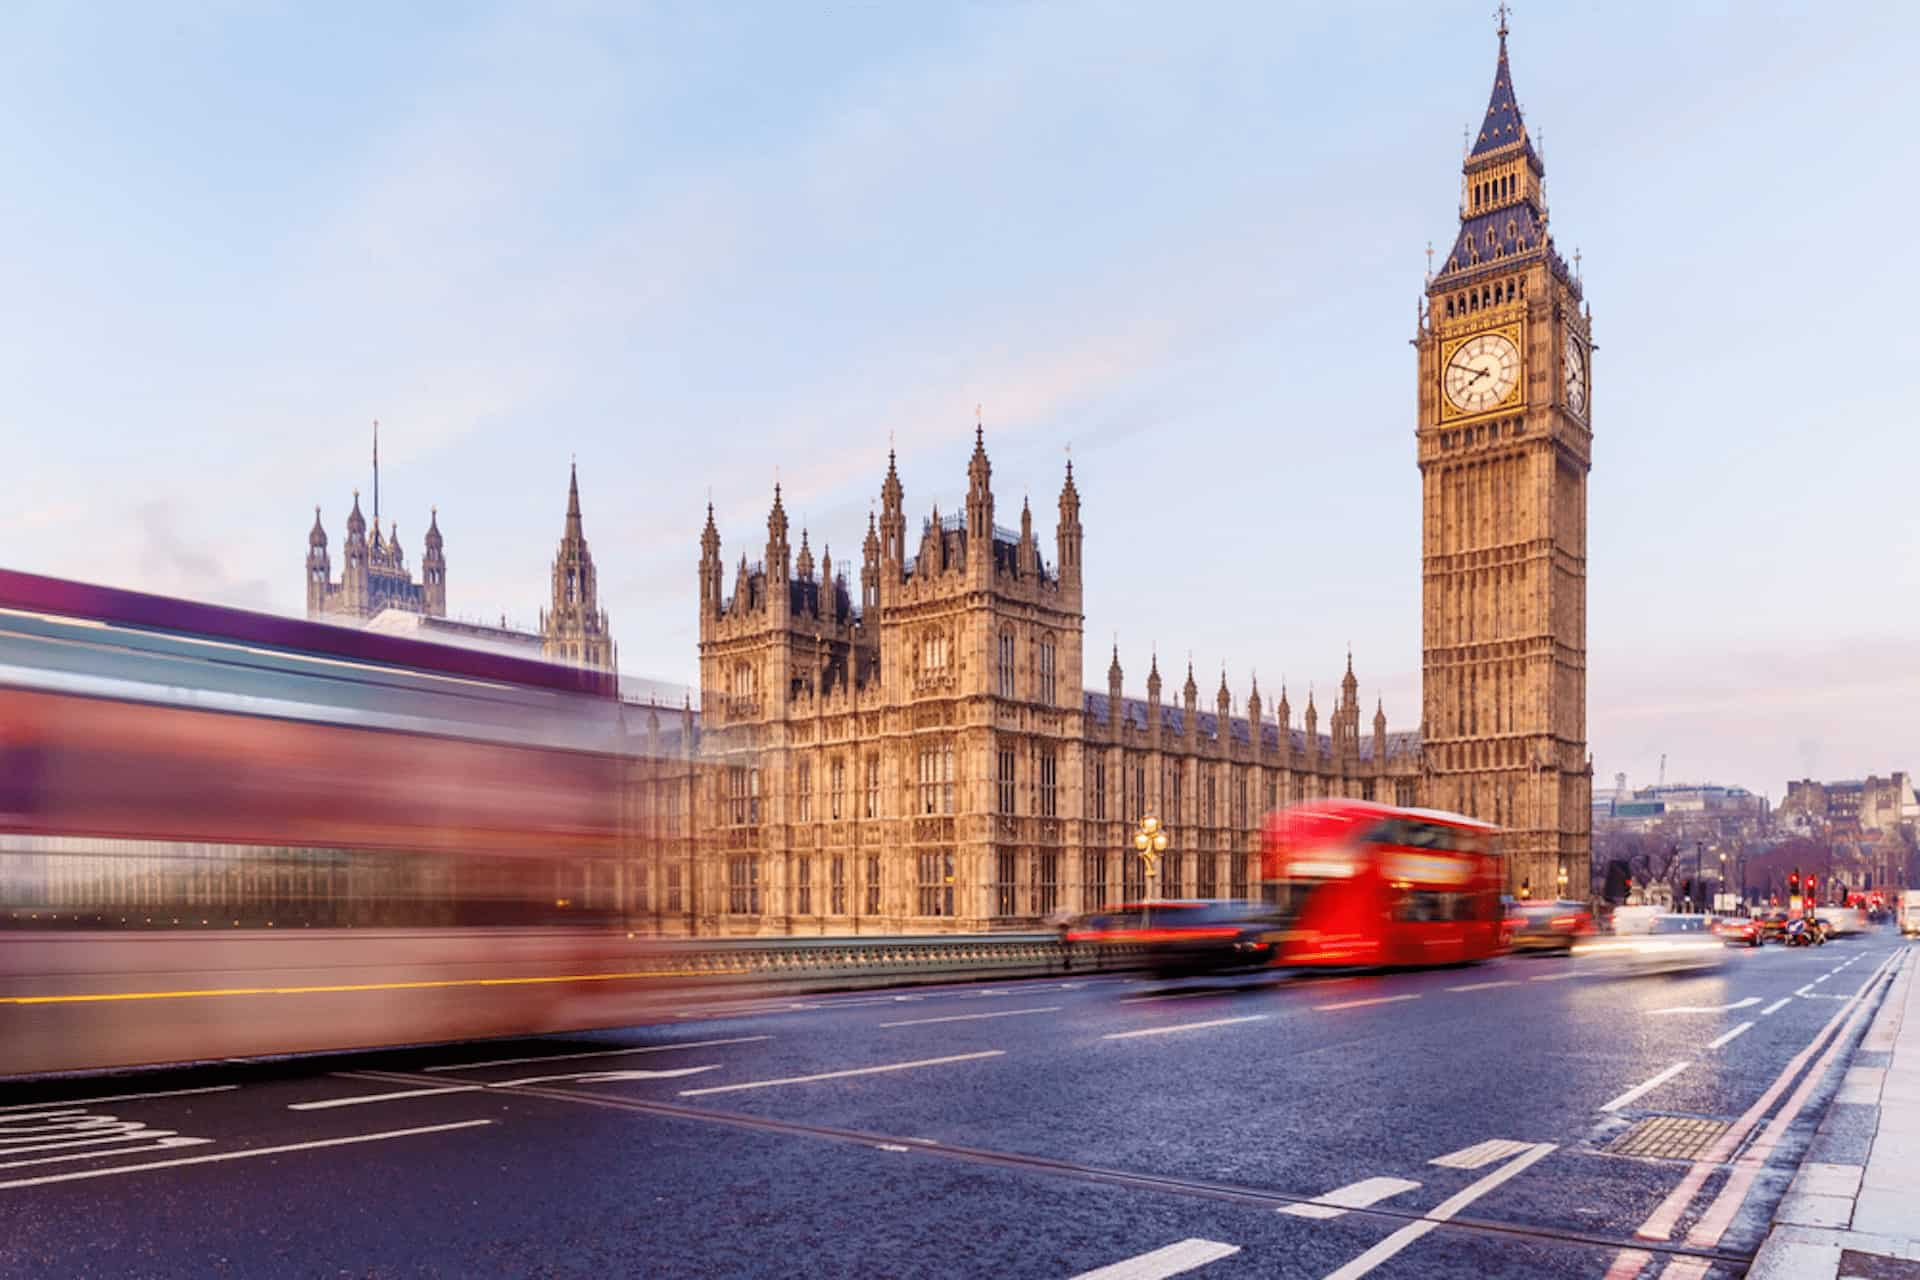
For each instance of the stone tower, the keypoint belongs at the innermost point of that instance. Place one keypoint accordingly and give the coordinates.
(575, 631)
(319, 572)
(374, 574)
(1504, 447)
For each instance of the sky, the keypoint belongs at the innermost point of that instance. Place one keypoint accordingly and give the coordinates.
(699, 247)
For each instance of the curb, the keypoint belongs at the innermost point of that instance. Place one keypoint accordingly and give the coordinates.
(1855, 1199)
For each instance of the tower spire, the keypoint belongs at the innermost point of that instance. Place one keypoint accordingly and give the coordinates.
(573, 500)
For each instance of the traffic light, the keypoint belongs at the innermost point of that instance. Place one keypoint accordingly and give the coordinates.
(1811, 896)
(1793, 881)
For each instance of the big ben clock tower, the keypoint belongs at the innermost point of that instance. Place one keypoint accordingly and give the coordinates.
(1505, 443)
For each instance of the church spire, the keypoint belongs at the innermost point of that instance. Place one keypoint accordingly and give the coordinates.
(573, 533)
(1502, 126)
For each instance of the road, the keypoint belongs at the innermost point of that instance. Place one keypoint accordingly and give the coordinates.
(1441, 1123)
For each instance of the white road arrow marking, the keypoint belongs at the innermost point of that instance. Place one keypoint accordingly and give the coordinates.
(1711, 1008)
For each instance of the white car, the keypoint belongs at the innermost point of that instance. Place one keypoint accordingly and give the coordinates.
(1654, 941)
(1844, 922)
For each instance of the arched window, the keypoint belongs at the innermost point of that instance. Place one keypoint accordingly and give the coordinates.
(1005, 655)
(1045, 672)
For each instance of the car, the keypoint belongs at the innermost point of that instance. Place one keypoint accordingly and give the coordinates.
(1738, 931)
(1772, 924)
(1844, 922)
(1189, 936)
(1547, 926)
(1664, 942)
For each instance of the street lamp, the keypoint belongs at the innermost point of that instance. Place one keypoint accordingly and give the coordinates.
(1150, 841)
(1563, 882)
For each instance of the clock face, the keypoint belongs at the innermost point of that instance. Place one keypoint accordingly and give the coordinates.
(1482, 373)
(1574, 366)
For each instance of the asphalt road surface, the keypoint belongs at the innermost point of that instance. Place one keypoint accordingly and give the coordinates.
(1485, 1121)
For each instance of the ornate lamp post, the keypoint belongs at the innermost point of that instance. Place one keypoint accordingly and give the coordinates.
(1150, 841)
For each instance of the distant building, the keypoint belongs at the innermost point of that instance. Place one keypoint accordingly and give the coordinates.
(1871, 804)
(574, 631)
(377, 591)
(374, 576)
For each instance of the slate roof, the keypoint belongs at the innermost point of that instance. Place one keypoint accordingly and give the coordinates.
(1502, 126)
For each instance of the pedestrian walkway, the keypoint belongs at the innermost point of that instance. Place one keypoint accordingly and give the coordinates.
(1853, 1209)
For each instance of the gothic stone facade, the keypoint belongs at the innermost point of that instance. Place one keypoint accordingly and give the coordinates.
(1505, 443)
(375, 575)
(925, 759)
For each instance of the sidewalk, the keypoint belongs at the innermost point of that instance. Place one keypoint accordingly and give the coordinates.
(1853, 1209)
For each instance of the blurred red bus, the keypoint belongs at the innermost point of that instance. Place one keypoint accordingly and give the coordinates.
(1368, 884)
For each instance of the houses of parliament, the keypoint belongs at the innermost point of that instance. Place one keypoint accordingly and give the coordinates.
(376, 589)
(899, 741)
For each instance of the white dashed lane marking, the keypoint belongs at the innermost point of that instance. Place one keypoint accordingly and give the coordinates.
(841, 1075)
(1777, 1005)
(1645, 1086)
(44, 1179)
(1734, 1034)
(1174, 1259)
(596, 1053)
(1481, 1154)
(1440, 1213)
(1184, 1026)
(1361, 1004)
(327, 1104)
(973, 1017)
(1355, 1195)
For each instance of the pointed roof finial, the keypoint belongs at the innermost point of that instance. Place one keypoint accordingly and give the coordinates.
(1501, 12)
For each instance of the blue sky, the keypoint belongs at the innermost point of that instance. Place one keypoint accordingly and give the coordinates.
(692, 244)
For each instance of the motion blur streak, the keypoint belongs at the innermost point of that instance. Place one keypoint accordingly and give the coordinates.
(420, 842)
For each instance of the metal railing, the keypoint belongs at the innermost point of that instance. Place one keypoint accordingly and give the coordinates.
(828, 963)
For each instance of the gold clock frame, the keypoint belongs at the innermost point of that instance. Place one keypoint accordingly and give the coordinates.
(1511, 332)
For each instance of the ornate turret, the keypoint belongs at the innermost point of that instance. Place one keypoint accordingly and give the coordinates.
(803, 567)
(979, 509)
(1153, 698)
(319, 570)
(1379, 735)
(353, 575)
(870, 573)
(1115, 701)
(433, 569)
(710, 570)
(1223, 706)
(1068, 536)
(1190, 701)
(1283, 712)
(1313, 732)
(575, 630)
(1255, 729)
(893, 523)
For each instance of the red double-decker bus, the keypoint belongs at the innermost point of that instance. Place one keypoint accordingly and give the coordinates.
(1364, 884)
